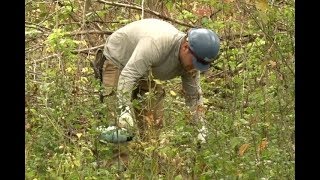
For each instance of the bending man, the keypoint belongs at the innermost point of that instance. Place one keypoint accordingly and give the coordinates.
(153, 48)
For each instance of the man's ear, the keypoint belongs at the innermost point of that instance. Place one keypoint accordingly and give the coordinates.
(185, 45)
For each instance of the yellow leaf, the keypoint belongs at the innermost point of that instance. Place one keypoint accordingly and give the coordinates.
(262, 5)
(84, 79)
(157, 81)
(27, 126)
(69, 69)
(263, 144)
(272, 63)
(205, 101)
(79, 135)
(149, 119)
(85, 69)
(243, 148)
(137, 17)
(173, 93)
(77, 163)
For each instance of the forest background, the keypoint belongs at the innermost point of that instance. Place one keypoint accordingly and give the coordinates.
(249, 92)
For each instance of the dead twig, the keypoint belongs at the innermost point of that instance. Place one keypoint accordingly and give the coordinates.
(48, 57)
(90, 32)
(86, 50)
(147, 11)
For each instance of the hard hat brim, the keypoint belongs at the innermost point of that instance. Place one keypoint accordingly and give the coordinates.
(199, 66)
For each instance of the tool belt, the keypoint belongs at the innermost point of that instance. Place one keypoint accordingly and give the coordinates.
(98, 64)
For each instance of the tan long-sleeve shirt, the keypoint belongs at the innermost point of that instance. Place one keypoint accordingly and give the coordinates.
(150, 45)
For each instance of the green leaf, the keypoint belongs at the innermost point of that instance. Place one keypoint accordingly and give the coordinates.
(137, 17)
(124, 21)
(32, 32)
(235, 141)
(243, 121)
(173, 93)
(205, 101)
(169, 5)
(179, 177)
(157, 81)
(33, 111)
(204, 20)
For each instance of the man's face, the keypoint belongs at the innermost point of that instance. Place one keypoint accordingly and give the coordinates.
(186, 57)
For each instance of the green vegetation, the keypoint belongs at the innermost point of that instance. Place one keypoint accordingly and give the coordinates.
(249, 93)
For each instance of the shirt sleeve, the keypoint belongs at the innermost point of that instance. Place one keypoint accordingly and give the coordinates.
(193, 93)
(143, 57)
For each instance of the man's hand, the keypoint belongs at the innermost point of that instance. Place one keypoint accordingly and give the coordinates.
(125, 118)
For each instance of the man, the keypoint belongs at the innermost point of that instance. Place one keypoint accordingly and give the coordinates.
(149, 49)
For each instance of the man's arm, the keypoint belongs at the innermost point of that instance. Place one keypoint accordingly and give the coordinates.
(192, 91)
(143, 57)
(193, 98)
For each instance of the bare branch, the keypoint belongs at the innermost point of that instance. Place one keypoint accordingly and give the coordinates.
(261, 25)
(89, 32)
(33, 48)
(86, 50)
(48, 57)
(146, 10)
(142, 7)
(36, 26)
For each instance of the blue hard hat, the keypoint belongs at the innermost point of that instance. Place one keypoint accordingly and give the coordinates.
(204, 45)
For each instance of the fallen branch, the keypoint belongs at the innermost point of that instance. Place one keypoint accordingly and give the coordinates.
(146, 10)
(81, 33)
(42, 59)
(31, 49)
(36, 26)
(87, 49)
(89, 32)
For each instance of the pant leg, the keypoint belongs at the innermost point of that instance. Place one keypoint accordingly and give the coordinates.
(149, 115)
(110, 76)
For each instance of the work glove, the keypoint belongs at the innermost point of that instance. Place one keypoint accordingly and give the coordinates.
(120, 134)
(199, 122)
(125, 119)
(203, 131)
(202, 134)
